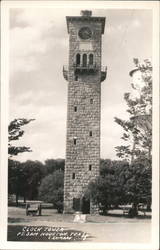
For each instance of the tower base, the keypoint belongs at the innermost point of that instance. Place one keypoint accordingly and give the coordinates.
(80, 205)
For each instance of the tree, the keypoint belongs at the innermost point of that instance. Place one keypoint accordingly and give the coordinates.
(16, 176)
(121, 183)
(138, 128)
(25, 178)
(34, 171)
(53, 165)
(139, 183)
(16, 179)
(108, 190)
(106, 167)
(15, 132)
(51, 189)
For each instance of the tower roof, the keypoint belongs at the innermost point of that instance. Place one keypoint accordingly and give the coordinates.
(86, 15)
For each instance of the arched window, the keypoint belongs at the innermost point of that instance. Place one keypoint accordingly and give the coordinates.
(91, 59)
(84, 60)
(78, 59)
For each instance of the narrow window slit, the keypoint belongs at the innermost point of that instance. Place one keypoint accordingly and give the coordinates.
(73, 176)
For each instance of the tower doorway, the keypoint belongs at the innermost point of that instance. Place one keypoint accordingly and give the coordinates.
(85, 206)
(76, 204)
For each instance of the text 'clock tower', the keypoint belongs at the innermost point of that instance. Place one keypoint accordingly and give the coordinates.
(84, 75)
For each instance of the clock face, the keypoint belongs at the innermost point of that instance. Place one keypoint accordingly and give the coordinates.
(85, 33)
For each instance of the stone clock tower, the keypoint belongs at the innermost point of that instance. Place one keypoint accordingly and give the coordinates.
(84, 75)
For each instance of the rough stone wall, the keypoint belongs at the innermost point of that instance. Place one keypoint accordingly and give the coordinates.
(84, 94)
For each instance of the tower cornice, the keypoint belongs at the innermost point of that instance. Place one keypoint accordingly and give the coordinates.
(86, 18)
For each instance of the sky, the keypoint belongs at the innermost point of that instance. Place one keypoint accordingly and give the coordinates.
(39, 49)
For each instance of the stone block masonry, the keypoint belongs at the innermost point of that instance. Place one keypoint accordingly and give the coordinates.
(84, 110)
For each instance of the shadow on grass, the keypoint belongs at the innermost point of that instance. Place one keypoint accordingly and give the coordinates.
(17, 220)
(115, 215)
(144, 216)
(27, 219)
(127, 216)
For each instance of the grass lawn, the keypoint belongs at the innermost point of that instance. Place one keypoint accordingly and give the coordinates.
(112, 228)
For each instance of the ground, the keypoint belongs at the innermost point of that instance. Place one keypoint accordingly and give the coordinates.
(112, 228)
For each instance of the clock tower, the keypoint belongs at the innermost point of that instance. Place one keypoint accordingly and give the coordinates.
(84, 75)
